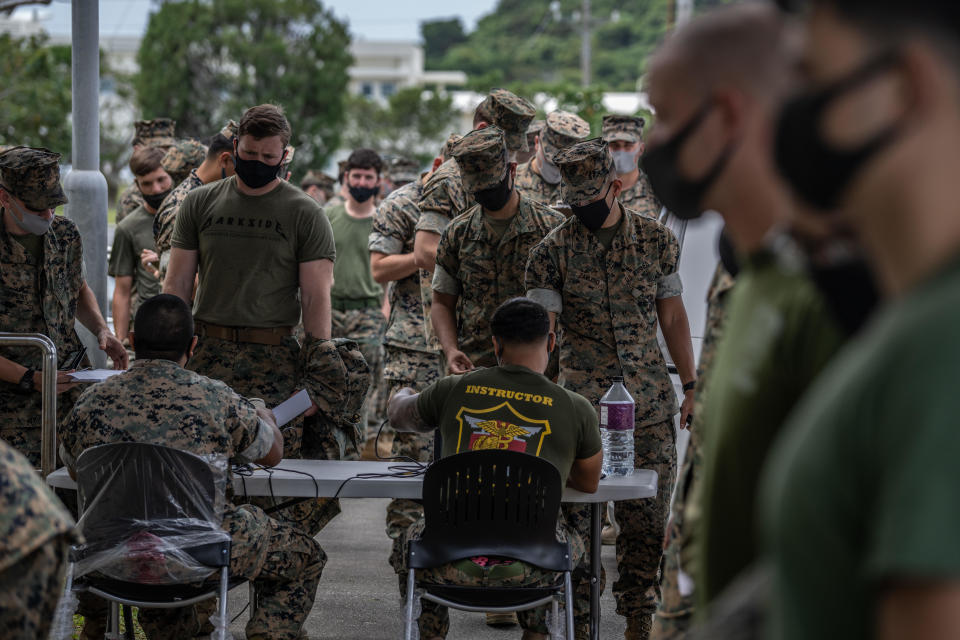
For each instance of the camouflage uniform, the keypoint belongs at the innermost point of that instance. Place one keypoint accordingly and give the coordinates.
(402, 171)
(166, 218)
(321, 180)
(183, 158)
(640, 196)
(37, 296)
(443, 197)
(475, 265)
(159, 402)
(605, 301)
(158, 132)
(674, 616)
(35, 536)
(561, 130)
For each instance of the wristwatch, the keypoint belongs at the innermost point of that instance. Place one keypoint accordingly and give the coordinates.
(690, 386)
(26, 382)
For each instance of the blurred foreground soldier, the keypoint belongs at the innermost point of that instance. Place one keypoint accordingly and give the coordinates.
(483, 252)
(402, 171)
(257, 240)
(624, 134)
(42, 290)
(158, 132)
(356, 298)
(858, 498)
(533, 131)
(721, 79)
(609, 276)
(35, 536)
(539, 179)
(135, 281)
(318, 186)
(409, 360)
(216, 165)
(545, 420)
(159, 402)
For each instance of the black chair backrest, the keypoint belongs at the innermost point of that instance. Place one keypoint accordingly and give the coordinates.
(128, 485)
(500, 503)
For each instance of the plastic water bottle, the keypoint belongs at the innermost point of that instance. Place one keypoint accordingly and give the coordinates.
(616, 429)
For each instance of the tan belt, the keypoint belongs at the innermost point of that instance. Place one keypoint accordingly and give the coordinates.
(256, 335)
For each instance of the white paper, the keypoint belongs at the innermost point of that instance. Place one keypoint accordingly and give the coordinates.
(292, 407)
(94, 375)
(684, 584)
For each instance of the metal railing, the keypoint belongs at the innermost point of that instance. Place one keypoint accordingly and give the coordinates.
(48, 391)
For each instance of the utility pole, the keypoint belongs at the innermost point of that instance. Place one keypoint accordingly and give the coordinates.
(684, 11)
(585, 45)
(85, 186)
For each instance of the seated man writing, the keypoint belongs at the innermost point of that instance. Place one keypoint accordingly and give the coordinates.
(157, 401)
(510, 406)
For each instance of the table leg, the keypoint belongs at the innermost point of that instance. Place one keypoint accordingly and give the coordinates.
(595, 568)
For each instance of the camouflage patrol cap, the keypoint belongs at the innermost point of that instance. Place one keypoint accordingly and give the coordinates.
(289, 152)
(402, 170)
(317, 179)
(482, 158)
(32, 175)
(561, 130)
(627, 128)
(447, 149)
(182, 158)
(534, 130)
(229, 130)
(158, 132)
(586, 169)
(513, 115)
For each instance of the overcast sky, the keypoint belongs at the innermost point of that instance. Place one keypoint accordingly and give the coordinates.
(368, 19)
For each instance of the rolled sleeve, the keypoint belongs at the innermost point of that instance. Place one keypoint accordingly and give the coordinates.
(550, 299)
(443, 282)
(387, 245)
(261, 445)
(433, 222)
(669, 286)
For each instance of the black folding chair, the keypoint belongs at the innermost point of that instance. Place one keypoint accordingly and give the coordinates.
(129, 489)
(491, 503)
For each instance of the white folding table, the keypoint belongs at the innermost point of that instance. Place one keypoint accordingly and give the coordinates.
(324, 478)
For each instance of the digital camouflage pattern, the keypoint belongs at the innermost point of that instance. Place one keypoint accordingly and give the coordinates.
(434, 620)
(183, 158)
(562, 130)
(159, 402)
(675, 613)
(33, 175)
(35, 531)
(365, 327)
(513, 115)
(129, 200)
(38, 298)
(605, 302)
(485, 272)
(533, 131)
(166, 218)
(229, 130)
(640, 198)
(442, 198)
(159, 132)
(482, 158)
(586, 169)
(531, 184)
(621, 127)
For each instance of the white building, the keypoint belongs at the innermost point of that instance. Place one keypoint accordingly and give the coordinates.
(381, 68)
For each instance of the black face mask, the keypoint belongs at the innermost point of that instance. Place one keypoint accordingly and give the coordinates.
(681, 196)
(253, 173)
(819, 173)
(495, 198)
(849, 290)
(362, 194)
(155, 199)
(593, 215)
(728, 254)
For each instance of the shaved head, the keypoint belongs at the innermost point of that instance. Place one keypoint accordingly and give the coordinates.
(741, 46)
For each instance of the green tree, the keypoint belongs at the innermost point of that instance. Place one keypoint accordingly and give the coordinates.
(35, 94)
(204, 61)
(413, 123)
(438, 36)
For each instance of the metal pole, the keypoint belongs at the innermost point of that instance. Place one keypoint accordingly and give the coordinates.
(596, 569)
(85, 186)
(684, 11)
(48, 392)
(585, 46)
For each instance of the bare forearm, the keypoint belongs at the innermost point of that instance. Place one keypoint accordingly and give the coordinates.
(121, 313)
(390, 268)
(403, 414)
(676, 332)
(443, 317)
(11, 371)
(316, 316)
(425, 245)
(88, 311)
(316, 280)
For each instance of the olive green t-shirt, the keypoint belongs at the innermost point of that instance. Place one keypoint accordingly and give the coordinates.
(31, 242)
(352, 278)
(605, 235)
(497, 226)
(778, 336)
(861, 489)
(512, 407)
(250, 249)
(134, 234)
